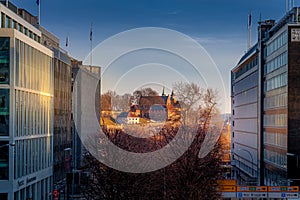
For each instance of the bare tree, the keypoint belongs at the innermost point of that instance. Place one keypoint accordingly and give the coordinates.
(189, 94)
(121, 102)
(189, 177)
(146, 92)
(106, 101)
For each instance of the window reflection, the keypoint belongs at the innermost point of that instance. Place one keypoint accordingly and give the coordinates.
(4, 60)
(4, 112)
(4, 161)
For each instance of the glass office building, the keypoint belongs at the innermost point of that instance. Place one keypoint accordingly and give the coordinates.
(278, 101)
(275, 107)
(62, 135)
(245, 135)
(26, 110)
(281, 108)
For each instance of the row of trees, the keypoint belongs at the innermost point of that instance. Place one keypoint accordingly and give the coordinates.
(112, 101)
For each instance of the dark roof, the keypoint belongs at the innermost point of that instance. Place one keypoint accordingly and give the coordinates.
(250, 52)
(150, 100)
(156, 107)
(123, 114)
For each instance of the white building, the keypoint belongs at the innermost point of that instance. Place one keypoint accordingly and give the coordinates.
(26, 110)
(133, 120)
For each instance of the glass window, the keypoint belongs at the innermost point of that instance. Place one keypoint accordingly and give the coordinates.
(7, 22)
(2, 20)
(20, 28)
(4, 60)
(276, 82)
(25, 31)
(4, 112)
(277, 43)
(246, 68)
(4, 160)
(14, 24)
(30, 34)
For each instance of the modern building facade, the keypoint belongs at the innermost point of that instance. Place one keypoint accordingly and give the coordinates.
(278, 97)
(26, 87)
(82, 76)
(86, 82)
(281, 100)
(245, 135)
(62, 135)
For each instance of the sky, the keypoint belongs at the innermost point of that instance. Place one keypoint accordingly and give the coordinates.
(219, 26)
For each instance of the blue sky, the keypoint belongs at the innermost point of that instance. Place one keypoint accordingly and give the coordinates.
(219, 26)
(210, 21)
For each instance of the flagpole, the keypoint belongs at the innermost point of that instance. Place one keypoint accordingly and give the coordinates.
(6, 3)
(67, 41)
(91, 45)
(39, 11)
(249, 30)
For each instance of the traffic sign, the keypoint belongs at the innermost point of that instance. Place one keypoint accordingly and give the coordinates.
(229, 194)
(290, 192)
(276, 194)
(252, 188)
(239, 194)
(283, 188)
(227, 182)
(292, 195)
(252, 194)
(288, 195)
(224, 188)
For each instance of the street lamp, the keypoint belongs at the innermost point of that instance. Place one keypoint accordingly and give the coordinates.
(252, 161)
(68, 195)
(8, 144)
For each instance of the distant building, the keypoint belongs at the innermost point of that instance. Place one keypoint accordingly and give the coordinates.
(156, 108)
(277, 118)
(133, 119)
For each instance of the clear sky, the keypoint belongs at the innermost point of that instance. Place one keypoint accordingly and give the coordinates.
(220, 26)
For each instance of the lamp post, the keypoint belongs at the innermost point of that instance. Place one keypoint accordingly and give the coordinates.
(252, 161)
(237, 169)
(68, 195)
(8, 144)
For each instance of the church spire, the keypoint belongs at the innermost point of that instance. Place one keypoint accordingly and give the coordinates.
(163, 92)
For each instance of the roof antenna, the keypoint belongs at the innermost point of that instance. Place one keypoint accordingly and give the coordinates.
(249, 30)
(260, 17)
